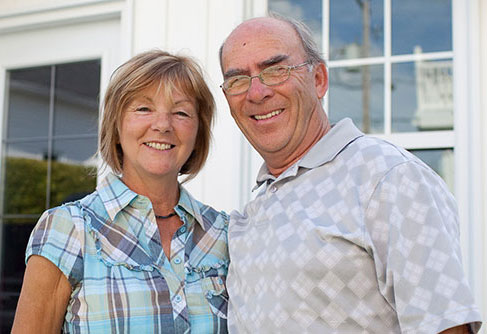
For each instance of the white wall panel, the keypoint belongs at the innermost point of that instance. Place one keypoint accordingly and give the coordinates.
(469, 150)
(149, 19)
(482, 261)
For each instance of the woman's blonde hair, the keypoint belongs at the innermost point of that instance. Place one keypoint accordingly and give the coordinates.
(171, 73)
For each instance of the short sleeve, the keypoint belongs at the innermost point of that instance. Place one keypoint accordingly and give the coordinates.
(412, 223)
(58, 238)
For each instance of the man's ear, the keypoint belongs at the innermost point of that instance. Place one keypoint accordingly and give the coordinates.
(321, 79)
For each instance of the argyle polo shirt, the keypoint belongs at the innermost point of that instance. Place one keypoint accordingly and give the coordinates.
(359, 236)
(108, 246)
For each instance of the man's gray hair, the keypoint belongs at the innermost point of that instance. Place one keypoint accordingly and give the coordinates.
(304, 33)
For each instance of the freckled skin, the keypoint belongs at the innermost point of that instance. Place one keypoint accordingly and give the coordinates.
(283, 139)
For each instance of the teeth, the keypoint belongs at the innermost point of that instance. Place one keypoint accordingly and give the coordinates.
(269, 115)
(159, 146)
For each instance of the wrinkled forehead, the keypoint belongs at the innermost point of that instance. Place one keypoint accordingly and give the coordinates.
(258, 40)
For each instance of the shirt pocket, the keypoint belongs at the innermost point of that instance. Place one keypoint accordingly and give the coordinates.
(215, 292)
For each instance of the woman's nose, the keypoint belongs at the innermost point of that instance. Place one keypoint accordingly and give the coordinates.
(162, 122)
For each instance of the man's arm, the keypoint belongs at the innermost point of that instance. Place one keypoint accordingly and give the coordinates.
(463, 329)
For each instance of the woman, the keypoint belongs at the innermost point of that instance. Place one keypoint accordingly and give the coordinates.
(139, 253)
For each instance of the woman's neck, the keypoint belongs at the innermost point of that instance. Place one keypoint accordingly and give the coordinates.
(163, 192)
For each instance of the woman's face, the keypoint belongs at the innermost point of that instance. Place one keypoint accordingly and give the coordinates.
(157, 135)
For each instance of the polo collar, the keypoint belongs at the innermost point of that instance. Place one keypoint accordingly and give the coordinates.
(325, 150)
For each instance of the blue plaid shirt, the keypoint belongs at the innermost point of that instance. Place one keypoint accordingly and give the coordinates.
(108, 246)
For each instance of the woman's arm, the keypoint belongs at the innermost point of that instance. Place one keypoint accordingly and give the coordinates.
(43, 299)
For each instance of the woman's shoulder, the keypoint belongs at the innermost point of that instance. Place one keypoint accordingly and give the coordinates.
(59, 236)
(66, 216)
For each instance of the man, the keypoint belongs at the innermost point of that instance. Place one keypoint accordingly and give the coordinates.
(349, 234)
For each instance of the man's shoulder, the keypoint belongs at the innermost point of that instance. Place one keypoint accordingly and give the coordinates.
(371, 151)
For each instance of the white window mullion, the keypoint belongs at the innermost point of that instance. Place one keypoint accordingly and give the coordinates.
(387, 67)
(325, 42)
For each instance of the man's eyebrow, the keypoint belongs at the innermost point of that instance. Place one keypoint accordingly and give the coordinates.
(233, 72)
(263, 64)
(272, 61)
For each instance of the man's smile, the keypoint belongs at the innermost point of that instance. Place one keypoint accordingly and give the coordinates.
(268, 115)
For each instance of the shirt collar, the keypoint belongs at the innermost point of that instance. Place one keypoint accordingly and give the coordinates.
(115, 196)
(190, 206)
(325, 150)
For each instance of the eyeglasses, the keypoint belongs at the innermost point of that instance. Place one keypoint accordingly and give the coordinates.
(271, 76)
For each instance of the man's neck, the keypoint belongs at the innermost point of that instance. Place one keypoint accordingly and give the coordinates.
(279, 164)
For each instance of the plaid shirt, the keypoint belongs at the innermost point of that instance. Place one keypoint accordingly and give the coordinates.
(108, 246)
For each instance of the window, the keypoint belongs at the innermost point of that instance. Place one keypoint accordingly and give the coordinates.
(51, 127)
(390, 69)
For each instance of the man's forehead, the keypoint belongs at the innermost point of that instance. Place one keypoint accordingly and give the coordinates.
(260, 42)
(262, 29)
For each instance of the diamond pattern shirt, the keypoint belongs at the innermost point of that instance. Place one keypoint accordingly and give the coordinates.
(108, 246)
(359, 236)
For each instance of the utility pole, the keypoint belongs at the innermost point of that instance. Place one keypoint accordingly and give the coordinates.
(365, 7)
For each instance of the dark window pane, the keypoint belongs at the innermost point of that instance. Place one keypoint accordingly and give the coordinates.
(28, 111)
(73, 174)
(356, 29)
(423, 24)
(441, 161)
(15, 235)
(422, 96)
(76, 98)
(310, 12)
(32, 169)
(358, 93)
(25, 178)
(75, 151)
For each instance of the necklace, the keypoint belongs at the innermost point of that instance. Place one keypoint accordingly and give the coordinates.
(168, 216)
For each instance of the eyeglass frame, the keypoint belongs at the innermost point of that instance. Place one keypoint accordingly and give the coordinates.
(289, 69)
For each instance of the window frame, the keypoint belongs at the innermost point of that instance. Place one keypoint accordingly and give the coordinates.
(409, 140)
(58, 41)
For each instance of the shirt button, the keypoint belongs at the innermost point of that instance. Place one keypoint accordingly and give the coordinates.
(220, 281)
(273, 189)
(178, 298)
(177, 260)
(183, 229)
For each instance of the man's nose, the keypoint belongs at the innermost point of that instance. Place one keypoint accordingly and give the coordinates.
(258, 91)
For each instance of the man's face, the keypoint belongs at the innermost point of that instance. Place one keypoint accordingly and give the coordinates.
(281, 121)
